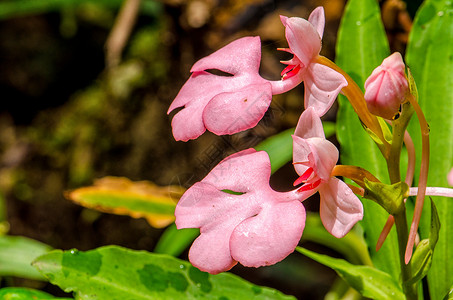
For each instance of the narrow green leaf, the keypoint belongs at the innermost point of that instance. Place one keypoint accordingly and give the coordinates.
(430, 58)
(280, 146)
(361, 47)
(12, 293)
(16, 255)
(174, 241)
(368, 281)
(352, 246)
(117, 273)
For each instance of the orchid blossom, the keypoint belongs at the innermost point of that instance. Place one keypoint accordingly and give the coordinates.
(236, 102)
(314, 159)
(245, 226)
(322, 83)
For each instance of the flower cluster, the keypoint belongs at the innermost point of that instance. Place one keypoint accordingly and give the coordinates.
(241, 218)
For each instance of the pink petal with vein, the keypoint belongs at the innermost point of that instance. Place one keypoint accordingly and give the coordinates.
(340, 209)
(317, 19)
(322, 85)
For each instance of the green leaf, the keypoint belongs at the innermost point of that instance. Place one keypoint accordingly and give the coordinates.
(116, 273)
(279, 147)
(16, 255)
(361, 47)
(352, 246)
(174, 241)
(12, 293)
(368, 281)
(121, 196)
(430, 58)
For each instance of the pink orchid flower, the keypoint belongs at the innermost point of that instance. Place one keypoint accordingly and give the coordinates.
(256, 226)
(314, 158)
(322, 84)
(223, 104)
(233, 103)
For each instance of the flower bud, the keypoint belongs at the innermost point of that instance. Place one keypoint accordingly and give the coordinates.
(450, 177)
(386, 87)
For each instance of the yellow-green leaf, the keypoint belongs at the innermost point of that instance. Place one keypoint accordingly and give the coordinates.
(121, 196)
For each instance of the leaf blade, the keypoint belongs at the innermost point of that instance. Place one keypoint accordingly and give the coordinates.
(137, 199)
(370, 282)
(429, 55)
(361, 46)
(16, 255)
(114, 272)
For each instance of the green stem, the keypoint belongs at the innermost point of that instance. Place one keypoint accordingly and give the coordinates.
(393, 167)
(406, 273)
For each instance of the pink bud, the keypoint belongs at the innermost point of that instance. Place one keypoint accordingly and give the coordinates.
(386, 87)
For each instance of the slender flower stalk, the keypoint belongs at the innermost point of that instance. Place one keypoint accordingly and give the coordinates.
(433, 191)
(423, 178)
(409, 177)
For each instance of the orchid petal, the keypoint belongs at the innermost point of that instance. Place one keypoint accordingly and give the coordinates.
(301, 153)
(340, 209)
(318, 20)
(258, 241)
(228, 113)
(241, 59)
(240, 56)
(208, 206)
(325, 157)
(210, 252)
(241, 171)
(309, 125)
(322, 85)
(303, 39)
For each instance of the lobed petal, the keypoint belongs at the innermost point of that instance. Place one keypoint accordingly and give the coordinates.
(228, 113)
(210, 252)
(322, 85)
(219, 214)
(258, 241)
(240, 56)
(340, 209)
